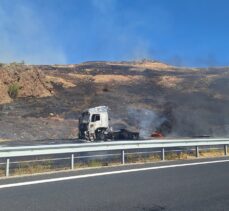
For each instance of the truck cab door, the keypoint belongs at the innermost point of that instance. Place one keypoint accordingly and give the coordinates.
(94, 123)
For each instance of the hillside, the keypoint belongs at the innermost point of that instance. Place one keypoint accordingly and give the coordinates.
(141, 95)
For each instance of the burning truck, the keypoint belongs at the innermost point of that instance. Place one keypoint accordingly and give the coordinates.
(94, 126)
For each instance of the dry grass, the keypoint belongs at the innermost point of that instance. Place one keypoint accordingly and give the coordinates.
(2, 172)
(34, 168)
(116, 78)
(179, 156)
(134, 158)
(169, 81)
(90, 164)
(212, 153)
(31, 168)
(154, 65)
(24, 81)
(4, 140)
(145, 64)
(107, 78)
(48, 166)
(58, 80)
(4, 96)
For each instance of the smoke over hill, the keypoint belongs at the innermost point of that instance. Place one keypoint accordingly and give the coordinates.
(142, 95)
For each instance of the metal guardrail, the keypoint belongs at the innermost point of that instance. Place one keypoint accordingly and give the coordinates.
(23, 151)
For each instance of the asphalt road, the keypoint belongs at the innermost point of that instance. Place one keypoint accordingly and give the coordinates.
(198, 187)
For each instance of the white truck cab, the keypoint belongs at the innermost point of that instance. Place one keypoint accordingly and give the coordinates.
(94, 123)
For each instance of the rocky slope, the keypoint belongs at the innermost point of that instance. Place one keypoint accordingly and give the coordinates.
(30, 80)
(141, 95)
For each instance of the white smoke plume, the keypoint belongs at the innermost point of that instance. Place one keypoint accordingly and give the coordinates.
(146, 120)
(24, 36)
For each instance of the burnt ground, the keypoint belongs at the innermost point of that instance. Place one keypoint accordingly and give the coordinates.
(141, 97)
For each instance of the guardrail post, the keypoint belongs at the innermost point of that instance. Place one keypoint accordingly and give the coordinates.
(197, 151)
(225, 150)
(7, 167)
(72, 161)
(163, 153)
(123, 157)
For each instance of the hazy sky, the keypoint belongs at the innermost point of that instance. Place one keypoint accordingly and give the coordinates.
(181, 32)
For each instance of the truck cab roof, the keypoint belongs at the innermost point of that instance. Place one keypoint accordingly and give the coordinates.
(98, 109)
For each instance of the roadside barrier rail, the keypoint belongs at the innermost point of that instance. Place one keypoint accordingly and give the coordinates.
(122, 146)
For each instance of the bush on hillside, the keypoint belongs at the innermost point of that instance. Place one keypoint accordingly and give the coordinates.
(13, 90)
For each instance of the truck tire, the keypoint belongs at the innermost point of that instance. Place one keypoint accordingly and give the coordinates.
(134, 137)
(101, 136)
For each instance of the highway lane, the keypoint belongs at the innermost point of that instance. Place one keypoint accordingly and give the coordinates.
(197, 187)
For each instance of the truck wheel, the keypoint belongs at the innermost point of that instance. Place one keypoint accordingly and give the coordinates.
(100, 136)
(134, 137)
(90, 137)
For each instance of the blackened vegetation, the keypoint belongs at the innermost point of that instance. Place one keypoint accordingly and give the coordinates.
(166, 127)
(199, 105)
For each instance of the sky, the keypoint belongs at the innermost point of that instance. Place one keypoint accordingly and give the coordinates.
(178, 32)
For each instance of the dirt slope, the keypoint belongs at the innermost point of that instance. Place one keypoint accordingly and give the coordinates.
(141, 96)
(31, 82)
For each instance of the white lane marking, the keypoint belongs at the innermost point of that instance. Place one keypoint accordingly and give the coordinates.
(108, 173)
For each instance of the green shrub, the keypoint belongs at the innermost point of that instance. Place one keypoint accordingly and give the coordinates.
(13, 90)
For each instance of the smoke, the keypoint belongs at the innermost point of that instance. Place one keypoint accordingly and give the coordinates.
(201, 122)
(24, 36)
(141, 50)
(129, 32)
(146, 120)
(200, 114)
(210, 60)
